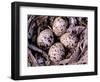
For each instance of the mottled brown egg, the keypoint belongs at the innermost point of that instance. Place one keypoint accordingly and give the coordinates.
(68, 40)
(59, 26)
(45, 39)
(56, 52)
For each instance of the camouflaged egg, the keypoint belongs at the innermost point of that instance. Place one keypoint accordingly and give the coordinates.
(56, 52)
(59, 26)
(45, 39)
(69, 40)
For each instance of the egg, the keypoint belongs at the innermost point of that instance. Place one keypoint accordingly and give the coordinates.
(59, 26)
(56, 52)
(45, 39)
(69, 40)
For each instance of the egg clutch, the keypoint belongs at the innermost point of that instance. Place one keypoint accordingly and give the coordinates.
(57, 40)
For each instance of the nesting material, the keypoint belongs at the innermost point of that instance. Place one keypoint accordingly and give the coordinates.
(57, 40)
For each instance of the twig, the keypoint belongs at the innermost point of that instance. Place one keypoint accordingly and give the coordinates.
(83, 59)
(50, 28)
(30, 19)
(32, 59)
(39, 30)
(34, 48)
(73, 57)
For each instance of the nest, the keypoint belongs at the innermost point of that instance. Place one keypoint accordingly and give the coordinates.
(38, 56)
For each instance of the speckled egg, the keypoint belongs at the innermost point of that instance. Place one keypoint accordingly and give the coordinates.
(59, 26)
(69, 40)
(45, 39)
(56, 52)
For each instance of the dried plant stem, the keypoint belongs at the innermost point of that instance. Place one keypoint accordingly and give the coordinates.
(39, 30)
(44, 54)
(73, 58)
(83, 59)
(32, 59)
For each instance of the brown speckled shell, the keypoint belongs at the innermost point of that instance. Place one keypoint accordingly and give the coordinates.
(45, 39)
(68, 40)
(59, 26)
(56, 52)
